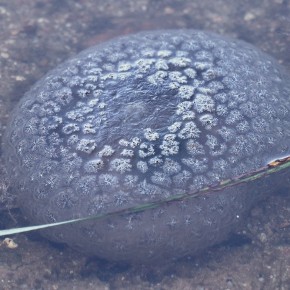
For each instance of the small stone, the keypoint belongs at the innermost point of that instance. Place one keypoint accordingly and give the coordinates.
(263, 237)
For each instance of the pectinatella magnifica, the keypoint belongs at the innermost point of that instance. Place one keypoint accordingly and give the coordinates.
(142, 118)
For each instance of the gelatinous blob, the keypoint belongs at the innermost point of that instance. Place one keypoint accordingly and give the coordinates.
(141, 118)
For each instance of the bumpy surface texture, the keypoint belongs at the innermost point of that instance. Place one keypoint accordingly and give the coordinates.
(141, 118)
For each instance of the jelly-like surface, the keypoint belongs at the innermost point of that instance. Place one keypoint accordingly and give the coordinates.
(141, 118)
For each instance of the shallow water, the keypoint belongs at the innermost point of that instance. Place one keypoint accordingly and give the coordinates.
(38, 35)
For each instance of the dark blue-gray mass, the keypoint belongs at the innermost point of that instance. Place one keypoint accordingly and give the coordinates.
(141, 118)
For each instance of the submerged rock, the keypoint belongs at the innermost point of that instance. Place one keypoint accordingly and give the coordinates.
(141, 118)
